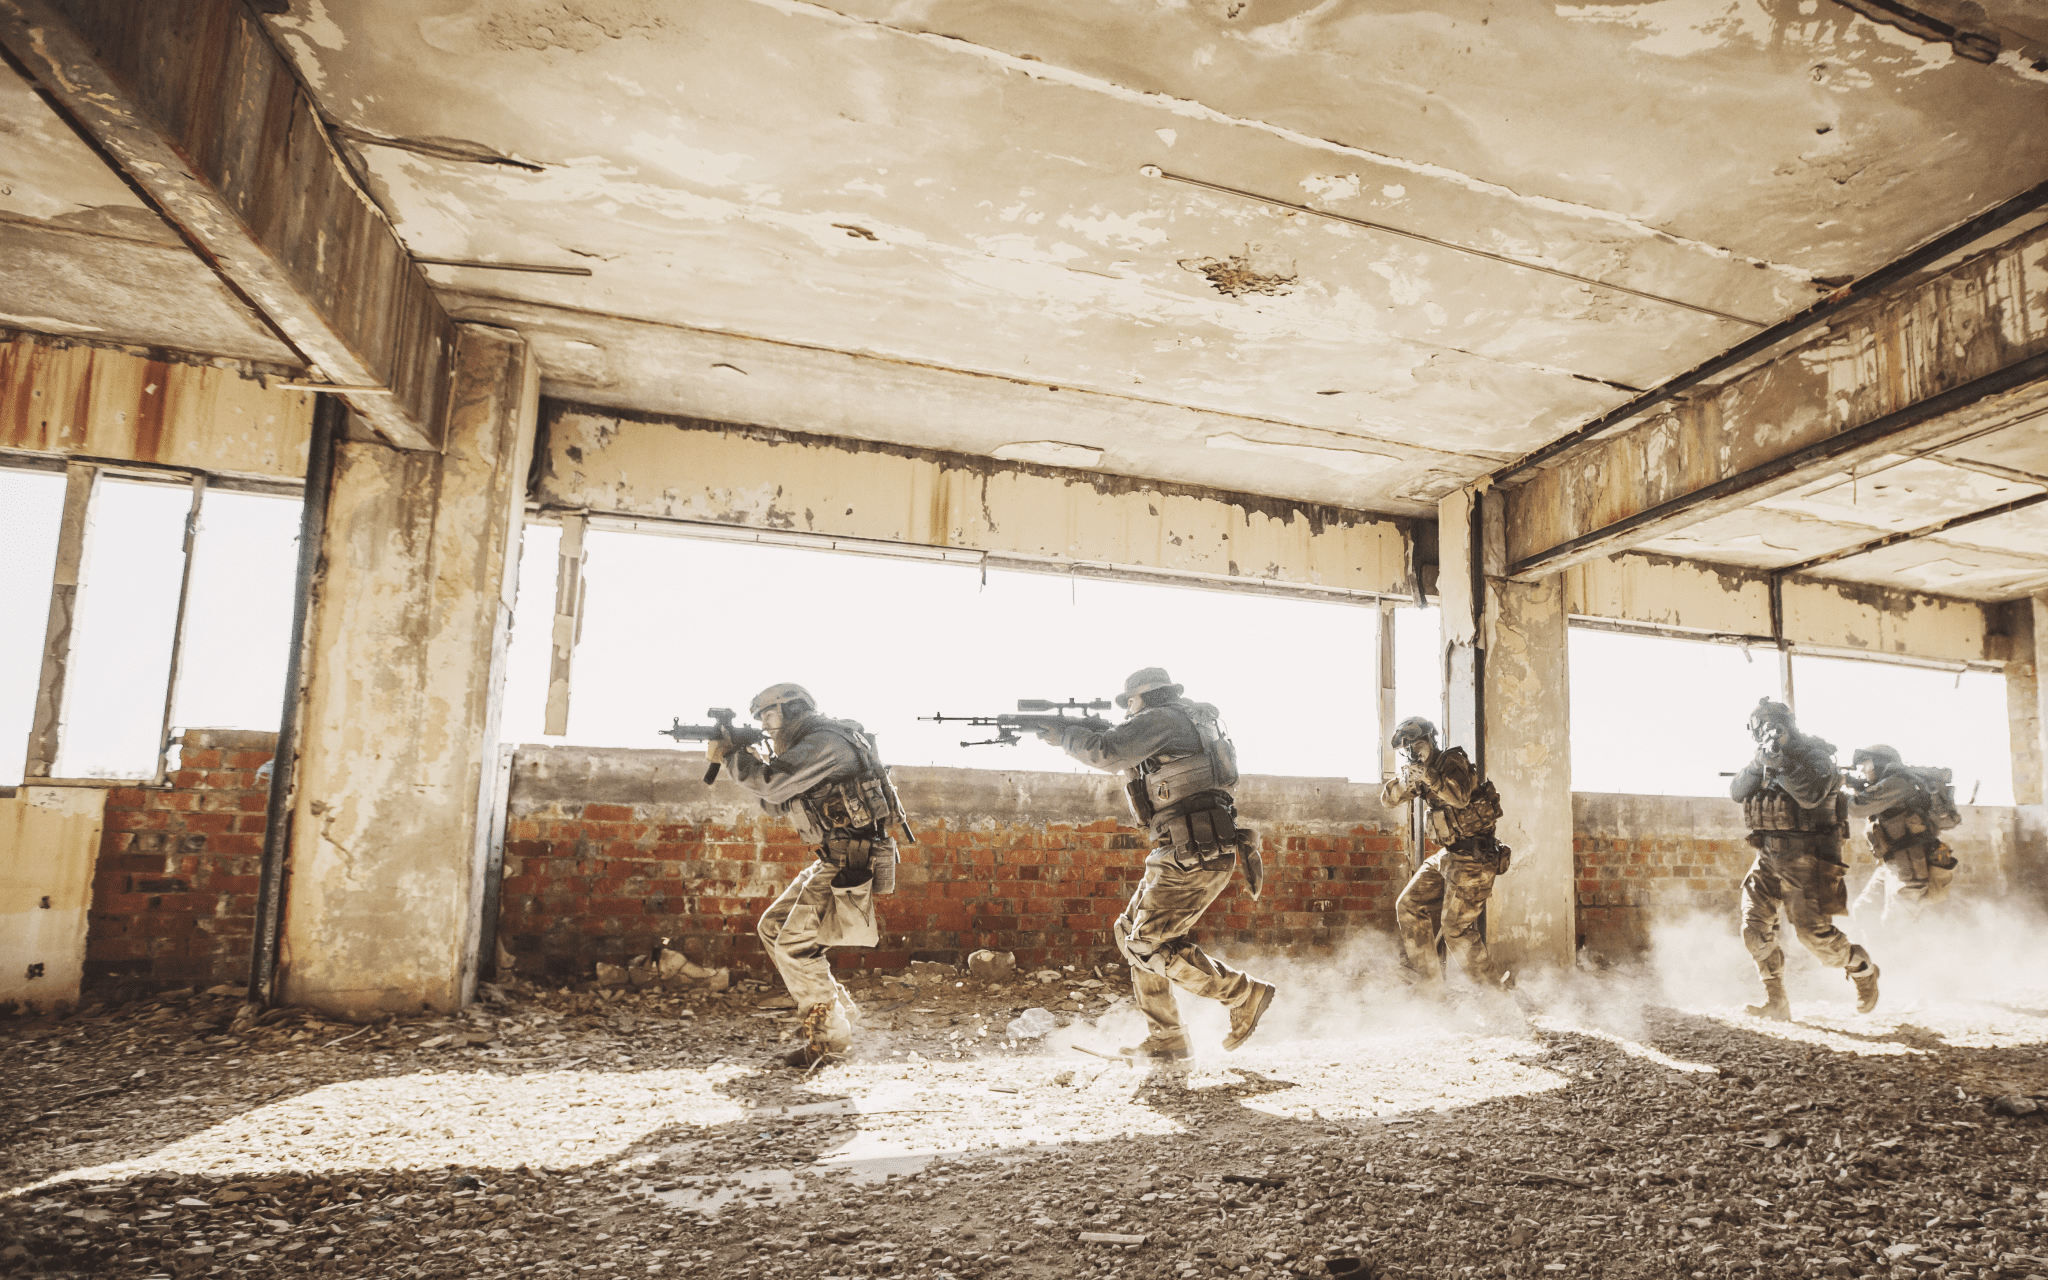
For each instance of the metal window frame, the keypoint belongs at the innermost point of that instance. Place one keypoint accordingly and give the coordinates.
(82, 480)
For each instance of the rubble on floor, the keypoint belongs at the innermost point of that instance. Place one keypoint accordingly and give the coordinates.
(646, 1131)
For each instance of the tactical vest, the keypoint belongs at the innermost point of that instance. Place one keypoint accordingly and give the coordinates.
(1781, 826)
(1917, 821)
(1449, 825)
(1184, 798)
(852, 815)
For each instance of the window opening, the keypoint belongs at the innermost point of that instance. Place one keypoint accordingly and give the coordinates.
(121, 641)
(1655, 716)
(1419, 665)
(238, 617)
(31, 512)
(1942, 719)
(672, 626)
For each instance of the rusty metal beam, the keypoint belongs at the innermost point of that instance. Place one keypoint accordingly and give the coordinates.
(1872, 439)
(200, 112)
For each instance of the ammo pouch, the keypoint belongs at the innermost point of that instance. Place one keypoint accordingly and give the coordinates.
(1206, 833)
(853, 803)
(1897, 827)
(1772, 809)
(1448, 826)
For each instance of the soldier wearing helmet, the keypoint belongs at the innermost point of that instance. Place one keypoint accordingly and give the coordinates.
(1179, 766)
(1449, 890)
(1907, 810)
(1790, 796)
(825, 777)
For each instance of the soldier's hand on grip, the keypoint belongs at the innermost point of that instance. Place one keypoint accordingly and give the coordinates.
(717, 749)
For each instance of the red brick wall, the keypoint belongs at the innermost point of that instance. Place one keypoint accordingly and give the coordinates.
(174, 894)
(608, 851)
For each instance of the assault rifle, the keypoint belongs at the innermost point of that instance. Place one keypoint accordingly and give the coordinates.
(724, 730)
(1039, 714)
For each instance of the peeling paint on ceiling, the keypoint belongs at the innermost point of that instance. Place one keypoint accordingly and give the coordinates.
(933, 224)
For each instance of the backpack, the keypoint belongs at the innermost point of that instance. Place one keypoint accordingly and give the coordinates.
(1941, 795)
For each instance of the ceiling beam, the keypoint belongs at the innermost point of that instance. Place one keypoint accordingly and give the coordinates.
(197, 109)
(1960, 353)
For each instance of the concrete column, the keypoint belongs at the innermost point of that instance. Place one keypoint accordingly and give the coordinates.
(405, 660)
(1507, 701)
(2026, 707)
(1533, 918)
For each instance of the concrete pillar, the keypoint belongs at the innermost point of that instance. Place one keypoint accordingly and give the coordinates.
(2026, 700)
(1533, 918)
(1507, 701)
(405, 661)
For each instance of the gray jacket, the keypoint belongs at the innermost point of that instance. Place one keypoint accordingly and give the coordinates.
(818, 754)
(1804, 770)
(1152, 731)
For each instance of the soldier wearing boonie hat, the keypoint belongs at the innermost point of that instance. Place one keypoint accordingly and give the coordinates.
(1179, 767)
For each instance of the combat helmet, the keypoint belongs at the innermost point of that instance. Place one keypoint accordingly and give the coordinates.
(1410, 730)
(1772, 713)
(1146, 680)
(1887, 758)
(780, 695)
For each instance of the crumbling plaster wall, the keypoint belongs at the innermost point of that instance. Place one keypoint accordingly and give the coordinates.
(49, 841)
(745, 477)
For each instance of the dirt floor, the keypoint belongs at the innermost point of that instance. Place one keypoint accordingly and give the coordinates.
(1597, 1127)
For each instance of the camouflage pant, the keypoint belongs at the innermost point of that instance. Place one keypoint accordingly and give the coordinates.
(1446, 894)
(1153, 935)
(1915, 879)
(1793, 882)
(789, 931)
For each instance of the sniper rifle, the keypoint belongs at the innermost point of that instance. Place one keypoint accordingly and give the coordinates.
(1034, 714)
(724, 731)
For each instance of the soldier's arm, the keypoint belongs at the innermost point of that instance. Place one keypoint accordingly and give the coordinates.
(1453, 779)
(1880, 795)
(1809, 776)
(1748, 782)
(1145, 734)
(819, 758)
(1397, 790)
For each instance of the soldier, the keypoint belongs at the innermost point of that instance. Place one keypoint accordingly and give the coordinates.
(827, 778)
(1790, 794)
(1179, 766)
(1908, 810)
(1449, 890)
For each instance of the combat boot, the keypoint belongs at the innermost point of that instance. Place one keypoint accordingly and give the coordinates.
(1170, 1046)
(1775, 1008)
(1244, 1019)
(1862, 971)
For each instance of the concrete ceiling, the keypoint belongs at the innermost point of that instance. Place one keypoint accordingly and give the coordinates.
(931, 222)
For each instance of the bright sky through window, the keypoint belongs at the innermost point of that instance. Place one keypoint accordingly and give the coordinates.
(675, 625)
